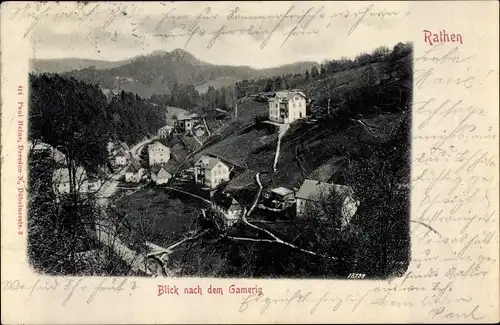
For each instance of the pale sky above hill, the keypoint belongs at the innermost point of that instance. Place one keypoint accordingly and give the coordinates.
(118, 31)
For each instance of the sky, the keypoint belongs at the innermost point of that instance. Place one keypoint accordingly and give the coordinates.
(257, 34)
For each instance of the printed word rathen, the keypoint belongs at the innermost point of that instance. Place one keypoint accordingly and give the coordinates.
(441, 37)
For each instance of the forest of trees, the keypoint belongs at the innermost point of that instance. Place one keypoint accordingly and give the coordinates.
(187, 97)
(291, 81)
(66, 104)
(78, 120)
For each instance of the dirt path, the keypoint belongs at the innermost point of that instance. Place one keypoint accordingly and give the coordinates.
(282, 130)
(206, 126)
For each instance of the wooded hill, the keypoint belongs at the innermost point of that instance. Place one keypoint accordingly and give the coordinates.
(158, 72)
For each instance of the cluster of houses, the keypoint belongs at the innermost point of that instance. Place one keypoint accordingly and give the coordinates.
(182, 124)
(84, 182)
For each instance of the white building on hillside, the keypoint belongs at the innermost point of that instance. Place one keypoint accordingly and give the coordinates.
(210, 171)
(158, 153)
(287, 106)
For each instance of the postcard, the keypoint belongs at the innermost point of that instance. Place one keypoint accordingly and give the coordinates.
(249, 162)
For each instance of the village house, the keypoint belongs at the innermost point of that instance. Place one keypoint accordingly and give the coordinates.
(57, 155)
(279, 198)
(134, 173)
(122, 157)
(184, 123)
(61, 180)
(313, 192)
(287, 106)
(228, 207)
(160, 175)
(165, 131)
(210, 171)
(158, 153)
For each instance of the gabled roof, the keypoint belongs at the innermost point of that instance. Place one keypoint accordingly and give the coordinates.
(282, 191)
(132, 169)
(134, 166)
(288, 94)
(329, 169)
(156, 169)
(312, 189)
(166, 127)
(157, 144)
(121, 153)
(124, 146)
(207, 162)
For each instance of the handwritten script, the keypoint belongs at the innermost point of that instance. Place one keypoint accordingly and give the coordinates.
(209, 25)
(77, 287)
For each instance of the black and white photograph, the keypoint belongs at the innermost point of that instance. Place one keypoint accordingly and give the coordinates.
(186, 160)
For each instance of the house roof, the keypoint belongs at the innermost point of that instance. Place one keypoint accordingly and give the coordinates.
(329, 169)
(207, 162)
(170, 166)
(288, 94)
(311, 189)
(281, 191)
(166, 127)
(158, 168)
(132, 168)
(41, 146)
(124, 145)
(61, 175)
(184, 118)
(155, 168)
(121, 153)
(156, 144)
